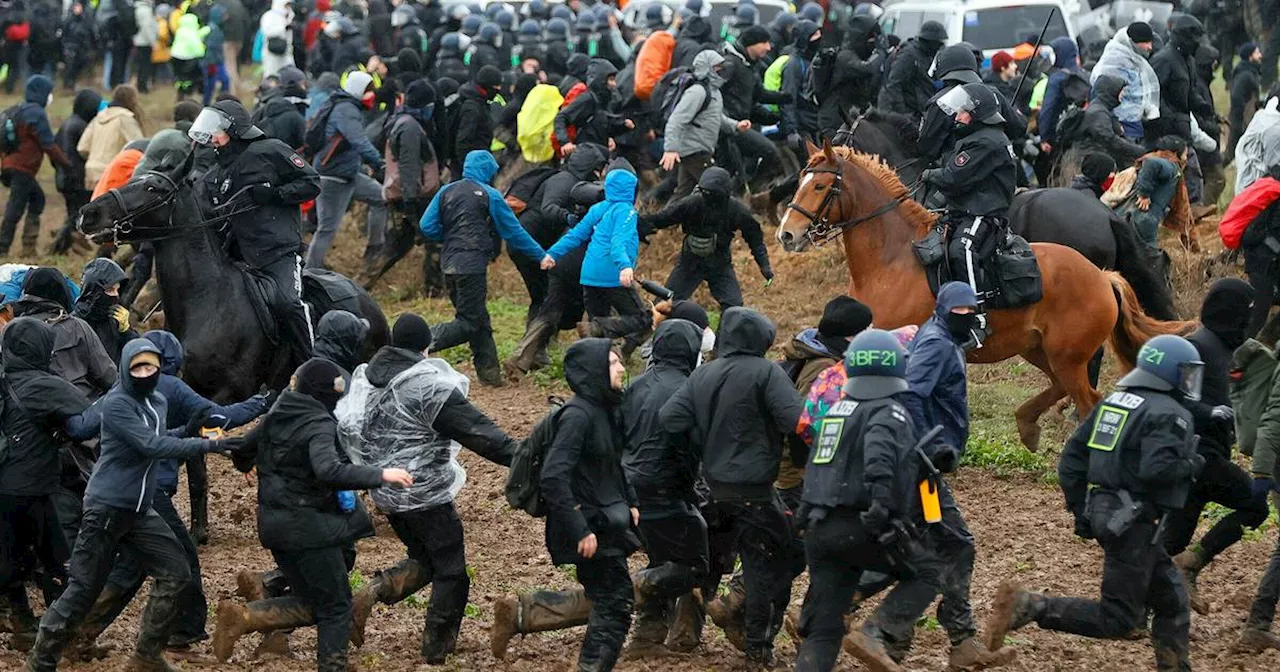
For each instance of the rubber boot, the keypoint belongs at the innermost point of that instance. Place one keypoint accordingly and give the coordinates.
(728, 613)
(30, 236)
(1012, 609)
(650, 630)
(539, 611)
(153, 632)
(200, 516)
(666, 579)
(525, 359)
(438, 644)
(1190, 562)
(388, 586)
(250, 586)
(685, 633)
(46, 651)
(972, 655)
(83, 645)
(236, 620)
(1255, 640)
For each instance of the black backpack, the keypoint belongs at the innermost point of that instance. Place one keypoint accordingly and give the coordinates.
(523, 188)
(315, 139)
(668, 91)
(524, 478)
(1069, 124)
(9, 129)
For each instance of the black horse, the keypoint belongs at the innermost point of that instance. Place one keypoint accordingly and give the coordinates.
(207, 298)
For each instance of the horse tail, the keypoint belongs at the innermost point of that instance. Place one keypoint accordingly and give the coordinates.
(1134, 327)
(1131, 261)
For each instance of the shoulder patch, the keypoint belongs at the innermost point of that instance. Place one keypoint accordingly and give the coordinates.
(828, 439)
(1108, 427)
(297, 160)
(1181, 423)
(961, 159)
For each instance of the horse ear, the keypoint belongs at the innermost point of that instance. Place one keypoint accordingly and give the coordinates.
(826, 150)
(811, 149)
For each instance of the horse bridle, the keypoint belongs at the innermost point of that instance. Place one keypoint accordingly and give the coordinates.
(127, 224)
(820, 230)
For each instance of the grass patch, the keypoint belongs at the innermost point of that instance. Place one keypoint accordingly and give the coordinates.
(471, 611)
(415, 601)
(928, 623)
(1005, 457)
(356, 579)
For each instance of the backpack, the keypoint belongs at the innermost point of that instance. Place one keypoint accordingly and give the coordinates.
(9, 130)
(1069, 123)
(524, 187)
(524, 487)
(668, 91)
(315, 138)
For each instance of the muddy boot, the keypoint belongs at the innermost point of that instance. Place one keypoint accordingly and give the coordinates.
(685, 632)
(46, 651)
(1014, 607)
(388, 586)
(83, 646)
(540, 611)
(19, 620)
(536, 336)
(866, 646)
(437, 645)
(250, 586)
(30, 236)
(235, 620)
(760, 658)
(973, 655)
(274, 643)
(1255, 640)
(726, 611)
(1170, 660)
(491, 376)
(200, 517)
(1190, 562)
(668, 578)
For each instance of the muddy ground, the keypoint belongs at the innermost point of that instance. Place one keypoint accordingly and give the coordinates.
(1008, 496)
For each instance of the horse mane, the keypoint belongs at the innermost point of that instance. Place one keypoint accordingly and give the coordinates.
(904, 126)
(885, 176)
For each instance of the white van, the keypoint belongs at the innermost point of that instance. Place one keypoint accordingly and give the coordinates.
(990, 25)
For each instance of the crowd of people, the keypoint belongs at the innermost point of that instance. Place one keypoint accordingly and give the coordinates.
(722, 465)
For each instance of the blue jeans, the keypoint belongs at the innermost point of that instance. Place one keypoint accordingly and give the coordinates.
(218, 76)
(1132, 130)
(332, 203)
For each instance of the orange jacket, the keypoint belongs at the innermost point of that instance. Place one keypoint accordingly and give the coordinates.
(653, 62)
(118, 171)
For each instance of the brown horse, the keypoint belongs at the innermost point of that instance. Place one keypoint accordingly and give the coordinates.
(857, 197)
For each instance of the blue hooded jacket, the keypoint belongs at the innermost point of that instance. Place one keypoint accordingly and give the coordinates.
(1064, 62)
(937, 388)
(610, 226)
(134, 439)
(184, 403)
(460, 213)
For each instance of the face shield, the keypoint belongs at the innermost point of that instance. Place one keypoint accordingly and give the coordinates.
(1190, 377)
(956, 100)
(209, 123)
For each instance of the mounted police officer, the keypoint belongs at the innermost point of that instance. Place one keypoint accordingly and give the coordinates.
(265, 179)
(859, 503)
(1126, 467)
(977, 178)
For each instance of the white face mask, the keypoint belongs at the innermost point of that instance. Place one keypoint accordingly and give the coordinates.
(49, 101)
(708, 343)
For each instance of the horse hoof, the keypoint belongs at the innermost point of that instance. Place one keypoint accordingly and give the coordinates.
(1029, 432)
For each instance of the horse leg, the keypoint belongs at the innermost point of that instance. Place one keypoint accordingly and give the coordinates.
(1073, 374)
(1028, 414)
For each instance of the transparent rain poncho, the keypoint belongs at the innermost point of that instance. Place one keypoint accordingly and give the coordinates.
(391, 427)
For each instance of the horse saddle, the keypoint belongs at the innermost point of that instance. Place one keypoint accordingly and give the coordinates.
(1010, 277)
(322, 291)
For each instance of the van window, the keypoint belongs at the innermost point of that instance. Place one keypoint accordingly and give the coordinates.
(906, 23)
(1004, 27)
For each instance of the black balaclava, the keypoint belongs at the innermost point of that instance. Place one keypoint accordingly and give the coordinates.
(1226, 310)
(321, 380)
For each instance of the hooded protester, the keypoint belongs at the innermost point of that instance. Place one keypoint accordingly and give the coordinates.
(1259, 146)
(908, 87)
(18, 171)
(340, 338)
(1246, 95)
(1173, 66)
(1066, 78)
(734, 414)
(608, 271)
(1224, 322)
(99, 305)
(744, 91)
(574, 81)
(1096, 172)
(800, 115)
(352, 48)
(848, 77)
(118, 516)
(1100, 129)
(474, 123)
(1206, 127)
(693, 38)
(282, 114)
(710, 217)
(406, 408)
(591, 514)
(413, 175)
(70, 179)
(78, 355)
(276, 181)
(469, 217)
(304, 518)
(588, 118)
(1126, 57)
(109, 132)
(693, 130)
(40, 410)
(673, 532)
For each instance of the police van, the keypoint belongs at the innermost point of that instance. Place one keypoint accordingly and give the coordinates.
(990, 25)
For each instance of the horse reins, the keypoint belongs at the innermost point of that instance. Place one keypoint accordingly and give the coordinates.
(820, 230)
(127, 224)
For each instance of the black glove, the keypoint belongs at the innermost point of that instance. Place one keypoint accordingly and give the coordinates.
(227, 445)
(787, 99)
(1224, 414)
(264, 195)
(945, 459)
(876, 519)
(1084, 528)
(380, 173)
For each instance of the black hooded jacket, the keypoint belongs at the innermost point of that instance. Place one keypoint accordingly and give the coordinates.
(78, 355)
(743, 87)
(474, 124)
(1246, 93)
(734, 412)
(711, 211)
(96, 308)
(1174, 67)
(801, 114)
(589, 112)
(855, 74)
(70, 178)
(1100, 131)
(694, 37)
(340, 338)
(40, 410)
(282, 115)
(1224, 320)
(908, 87)
(656, 467)
(582, 479)
(300, 469)
(551, 210)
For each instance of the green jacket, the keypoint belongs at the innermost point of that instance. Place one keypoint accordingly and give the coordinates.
(1255, 396)
(188, 39)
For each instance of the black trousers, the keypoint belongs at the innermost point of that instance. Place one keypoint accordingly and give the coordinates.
(25, 195)
(755, 151)
(632, 321)
(468, 293)
(120, 61)
(675, 539)
(535, 281)
(1136, 576)
(1263, 610)
(1225, 483)
(291, 313)
(1261, 271)
(105, 530)
(318, 577)
(607, 583)
(433, 537)
(144, 68)
(30, 522)
(691, 271)
(762, 538)
(839, 550)
(192, 606)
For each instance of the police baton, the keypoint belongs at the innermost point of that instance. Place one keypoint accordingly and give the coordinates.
(1034, 53)
(657, 290)
(924, 441)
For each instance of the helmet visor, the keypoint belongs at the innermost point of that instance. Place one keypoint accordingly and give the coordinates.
(1190, 377)
(207, 124)
(956, 100)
